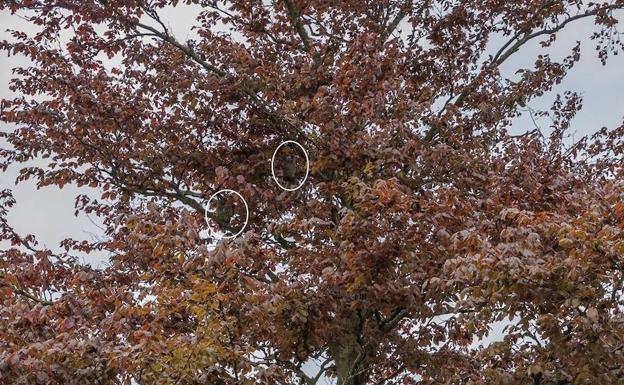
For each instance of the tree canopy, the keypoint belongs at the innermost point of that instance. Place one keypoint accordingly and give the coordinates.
(423, 221)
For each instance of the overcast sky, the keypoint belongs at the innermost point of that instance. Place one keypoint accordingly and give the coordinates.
(48, 213)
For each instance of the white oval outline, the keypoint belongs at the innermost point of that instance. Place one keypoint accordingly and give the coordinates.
(213, 233)
(305, 178)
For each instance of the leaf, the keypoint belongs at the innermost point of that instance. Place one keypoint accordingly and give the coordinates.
(369, 169)
(6, 292)
(566, 243)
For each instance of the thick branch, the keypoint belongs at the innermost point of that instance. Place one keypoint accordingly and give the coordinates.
(299, 27)
(393, 320)
(396, 21)
(186, 49)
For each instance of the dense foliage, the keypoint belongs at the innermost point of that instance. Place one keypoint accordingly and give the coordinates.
(422, 223)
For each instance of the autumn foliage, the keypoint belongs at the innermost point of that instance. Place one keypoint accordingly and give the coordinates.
(424, 220)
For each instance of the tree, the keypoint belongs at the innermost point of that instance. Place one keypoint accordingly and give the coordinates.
(423, 220)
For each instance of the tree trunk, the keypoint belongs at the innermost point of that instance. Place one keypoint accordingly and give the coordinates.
(350, 361)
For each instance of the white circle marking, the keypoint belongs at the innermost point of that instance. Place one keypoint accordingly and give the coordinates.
(307, 165)
(213, 233)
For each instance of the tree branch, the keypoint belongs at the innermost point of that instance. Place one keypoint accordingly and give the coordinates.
(393, 320)
(31, 297)
(503, 54)
(184, 48)
(389, 30)
(509, 49)
(263, 107)
(299, 27)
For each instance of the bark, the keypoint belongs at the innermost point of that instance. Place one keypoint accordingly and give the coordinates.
(350, 361)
